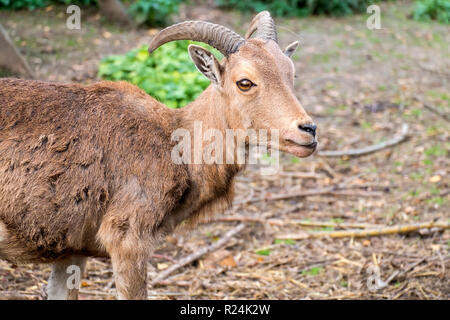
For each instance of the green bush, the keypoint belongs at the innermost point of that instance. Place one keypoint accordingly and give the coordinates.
(23, 4)
(150, 12)
(168, 74)
(34, 4)
(299, 7)
(81, 2)
(427, 10)
(153, 12)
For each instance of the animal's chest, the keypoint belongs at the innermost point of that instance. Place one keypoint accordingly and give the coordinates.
(200, 201)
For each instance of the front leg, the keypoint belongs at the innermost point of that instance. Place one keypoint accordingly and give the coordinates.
(128, 244)
(65, 278)
(130, 274)
(128, 233)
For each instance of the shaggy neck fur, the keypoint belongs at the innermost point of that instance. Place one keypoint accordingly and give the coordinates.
(212, 185)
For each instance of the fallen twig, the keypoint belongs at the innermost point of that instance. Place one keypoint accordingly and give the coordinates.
(330, 224)
(391, 252)
(199, 253)
(16, 295)
(441, 259)
(439, 113)
(235, 218)
(162, 257)
(112, 295)
(168, 282)
(279, 222)
(433, 109)
(357, 193)
(430, 261)
(96, 293)
(334, 190)
(439, 71)
(301, 175)
(366, 232)
(313, 192)
(414, 264)
(369, 149)
(403, 273)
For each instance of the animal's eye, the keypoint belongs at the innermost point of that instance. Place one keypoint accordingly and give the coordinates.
(245, 84)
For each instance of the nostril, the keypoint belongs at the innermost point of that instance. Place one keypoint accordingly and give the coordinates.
(310, 128)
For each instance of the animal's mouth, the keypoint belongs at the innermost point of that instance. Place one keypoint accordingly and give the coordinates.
(311, 145)
(299, 149)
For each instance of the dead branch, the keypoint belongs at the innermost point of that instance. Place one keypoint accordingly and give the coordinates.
(279, 222)
(162, 257)
(199, 253)
(330, 224)
(357, 193)
(168, 282)
(314, 192)
(111, 295)
(439, 71)
(369, 149)
(441, 259)
(11, 58)
(403, 273)
(367, 232)
(95, 293)
(235, 218)
(392, 253)
(301, 175)
(16, 295)
(334, 190)
(433, 109)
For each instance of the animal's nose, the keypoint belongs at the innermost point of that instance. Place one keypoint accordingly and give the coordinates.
(310, 128)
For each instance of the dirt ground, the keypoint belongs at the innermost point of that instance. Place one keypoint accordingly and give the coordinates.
(360, 86)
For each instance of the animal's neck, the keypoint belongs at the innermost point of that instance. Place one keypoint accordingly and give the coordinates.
(208, 120)
(211, 187)
(209, 108)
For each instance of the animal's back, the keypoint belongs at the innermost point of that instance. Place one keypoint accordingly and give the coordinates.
(65, 150)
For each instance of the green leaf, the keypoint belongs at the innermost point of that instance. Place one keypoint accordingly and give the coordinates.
(313, 271)
(285, 241)
(263, 252)
(167, 74)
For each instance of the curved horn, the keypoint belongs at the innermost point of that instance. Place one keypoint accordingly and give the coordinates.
(217, 36)
(264, 27)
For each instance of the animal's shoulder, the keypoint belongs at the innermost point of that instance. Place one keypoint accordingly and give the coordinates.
(128, 101)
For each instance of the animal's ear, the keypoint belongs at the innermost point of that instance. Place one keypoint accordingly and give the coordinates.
(206, 63)
(290, 49)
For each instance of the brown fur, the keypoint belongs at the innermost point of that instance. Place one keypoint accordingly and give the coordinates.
(87, 170)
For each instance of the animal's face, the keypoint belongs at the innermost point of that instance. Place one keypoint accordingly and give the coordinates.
(256, 79)
(258, 84)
